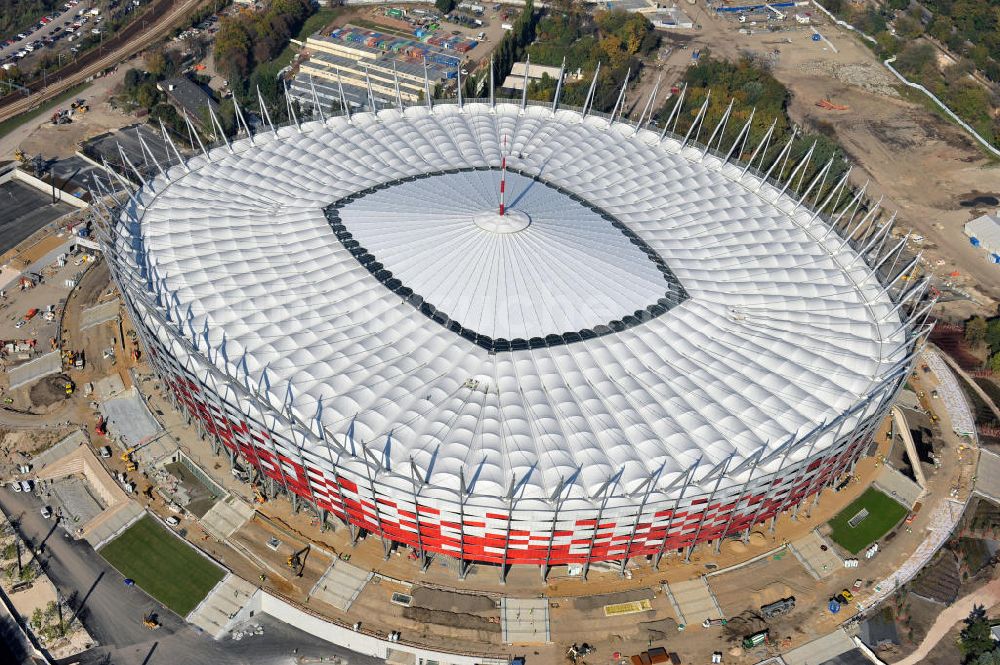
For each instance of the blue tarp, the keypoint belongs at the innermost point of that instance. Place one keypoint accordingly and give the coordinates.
(755, 8)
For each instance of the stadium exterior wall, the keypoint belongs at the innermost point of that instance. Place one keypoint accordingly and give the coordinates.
(352, 487)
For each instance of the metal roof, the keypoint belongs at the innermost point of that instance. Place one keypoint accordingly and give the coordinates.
(986, 229)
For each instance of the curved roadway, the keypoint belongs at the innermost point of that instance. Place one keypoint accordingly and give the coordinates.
(112, 612)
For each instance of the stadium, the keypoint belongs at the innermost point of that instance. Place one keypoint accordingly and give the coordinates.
(653, 347)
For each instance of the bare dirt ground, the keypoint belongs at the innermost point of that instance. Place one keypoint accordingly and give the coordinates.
(17, 447)
(922, 164)
(39, 136)
(48, 391)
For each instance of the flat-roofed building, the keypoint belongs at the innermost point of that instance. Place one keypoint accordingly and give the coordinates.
(353, 56)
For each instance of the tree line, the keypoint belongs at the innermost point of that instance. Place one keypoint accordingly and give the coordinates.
(16, 15)
(616, 39)
(247, 39)
(751, 86)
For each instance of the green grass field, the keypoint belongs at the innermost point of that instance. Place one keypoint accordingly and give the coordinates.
(163, 565)
(883, 514)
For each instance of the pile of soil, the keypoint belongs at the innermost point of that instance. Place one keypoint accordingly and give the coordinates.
(48, 391)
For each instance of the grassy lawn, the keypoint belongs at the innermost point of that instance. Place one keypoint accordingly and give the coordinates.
(163, 565)
(883, 514)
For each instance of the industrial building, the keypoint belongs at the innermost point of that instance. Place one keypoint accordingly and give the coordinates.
(515, 333)
(353, 57)
(514, 83)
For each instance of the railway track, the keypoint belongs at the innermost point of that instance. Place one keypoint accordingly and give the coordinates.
(136, 36)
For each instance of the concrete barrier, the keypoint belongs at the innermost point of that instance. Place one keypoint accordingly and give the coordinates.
(42, 186)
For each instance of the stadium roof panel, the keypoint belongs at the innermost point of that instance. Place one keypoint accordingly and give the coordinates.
(781, 330)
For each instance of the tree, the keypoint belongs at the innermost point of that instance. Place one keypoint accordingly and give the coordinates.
(156, 63)
(989, 658)
(975, 330)
(444, 6)
(995, 363)
(975, 638)
(992, 337)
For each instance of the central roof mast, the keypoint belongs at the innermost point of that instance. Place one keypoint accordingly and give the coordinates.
(503, 173)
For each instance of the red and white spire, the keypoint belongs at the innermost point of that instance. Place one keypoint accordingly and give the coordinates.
(503, 173)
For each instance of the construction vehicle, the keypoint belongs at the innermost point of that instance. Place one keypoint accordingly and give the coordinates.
(20, 156)
(830, 106)
(101, 428)
(777, 608)
(150, 621)
(780, 15)
(756, 639)
(258, 495)
(70, 387)
(297, 560)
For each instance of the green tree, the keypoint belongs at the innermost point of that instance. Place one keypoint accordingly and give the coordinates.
(975, 638)
(444, 6)
(975, 330)
(995, 363)
(992, 337)
(989, 658)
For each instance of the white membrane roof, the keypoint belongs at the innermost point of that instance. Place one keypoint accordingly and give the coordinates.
(780, 328)
(550, 265)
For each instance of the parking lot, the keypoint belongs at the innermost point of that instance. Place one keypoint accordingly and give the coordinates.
(70, 23)
(24, 210)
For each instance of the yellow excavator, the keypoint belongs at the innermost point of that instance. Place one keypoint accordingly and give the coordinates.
(149, 621)
(297, 560)
(130, 464)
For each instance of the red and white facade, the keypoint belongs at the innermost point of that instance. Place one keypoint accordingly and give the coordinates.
(283, 289)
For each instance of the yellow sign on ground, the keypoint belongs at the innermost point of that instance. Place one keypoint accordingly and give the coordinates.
(633, 607)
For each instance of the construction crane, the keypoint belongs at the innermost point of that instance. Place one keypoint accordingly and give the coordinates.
(780, 15)
(297, 560)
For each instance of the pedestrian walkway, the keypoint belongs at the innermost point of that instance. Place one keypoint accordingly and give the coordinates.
(816, 555)
(693, 601)
(98, 314)
(31, 371)
(216, 612)
(822, 650)
(226, 517)
(524, 620)
(892, 481)
(340, 585)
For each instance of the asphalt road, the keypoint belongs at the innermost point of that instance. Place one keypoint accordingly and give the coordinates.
(24, 210)
(113, 612)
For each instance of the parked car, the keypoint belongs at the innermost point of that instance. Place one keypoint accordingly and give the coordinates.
(46, 512)
(172, 520)
(16, 486)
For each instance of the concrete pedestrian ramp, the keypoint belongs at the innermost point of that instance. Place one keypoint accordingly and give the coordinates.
(524, 620)
(340, 585)
(693, 601)
(818, 557)
(226, 517)
(216, 613)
